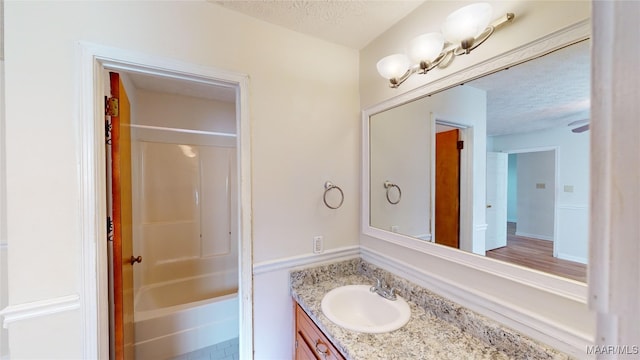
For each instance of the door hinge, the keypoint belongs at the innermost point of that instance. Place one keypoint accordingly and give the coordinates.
(111, 107)
(109, 229)
(460, 145)
(296, 343)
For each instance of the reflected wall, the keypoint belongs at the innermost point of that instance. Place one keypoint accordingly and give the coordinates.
(401, 151)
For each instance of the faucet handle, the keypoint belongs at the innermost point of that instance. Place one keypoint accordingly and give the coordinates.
(375, 288)
(392, 293)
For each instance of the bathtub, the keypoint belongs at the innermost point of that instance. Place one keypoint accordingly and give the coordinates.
(181, 316)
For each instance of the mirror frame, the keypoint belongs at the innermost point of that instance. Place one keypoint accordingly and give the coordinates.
(565, 287)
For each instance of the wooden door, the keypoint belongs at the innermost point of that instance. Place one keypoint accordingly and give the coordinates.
(496, 214)
(120, 171)
(447, 211)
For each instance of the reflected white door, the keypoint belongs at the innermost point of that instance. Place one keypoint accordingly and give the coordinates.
(497, 173)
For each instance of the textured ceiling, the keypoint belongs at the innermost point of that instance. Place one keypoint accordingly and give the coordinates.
(353, 23)
(553, 90)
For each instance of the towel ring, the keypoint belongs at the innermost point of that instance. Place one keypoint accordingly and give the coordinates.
(328, 186)
(388, 185)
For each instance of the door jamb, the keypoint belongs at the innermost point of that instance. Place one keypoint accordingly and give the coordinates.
(92, 188)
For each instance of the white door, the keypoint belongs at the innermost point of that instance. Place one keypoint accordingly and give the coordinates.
(497, 172)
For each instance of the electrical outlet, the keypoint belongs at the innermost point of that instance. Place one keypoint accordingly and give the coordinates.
(395, 228)
(318, 245)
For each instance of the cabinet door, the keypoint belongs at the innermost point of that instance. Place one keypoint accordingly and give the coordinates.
(303, 352)
(310, 337)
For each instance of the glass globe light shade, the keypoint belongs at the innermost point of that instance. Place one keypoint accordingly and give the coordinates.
(393, 66)
(426, 47)
(467, 22)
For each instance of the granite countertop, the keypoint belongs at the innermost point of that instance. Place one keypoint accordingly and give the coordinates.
(426, 336)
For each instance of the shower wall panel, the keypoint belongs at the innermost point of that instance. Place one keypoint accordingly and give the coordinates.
(186, 215)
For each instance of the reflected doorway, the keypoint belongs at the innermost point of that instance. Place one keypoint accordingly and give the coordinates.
(447, 194)
(531, 220)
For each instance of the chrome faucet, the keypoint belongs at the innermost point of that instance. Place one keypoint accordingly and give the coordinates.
(383, 290)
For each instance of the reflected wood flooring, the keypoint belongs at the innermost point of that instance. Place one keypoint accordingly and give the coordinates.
(537, 254)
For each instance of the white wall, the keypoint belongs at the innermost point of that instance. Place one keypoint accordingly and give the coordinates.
(303, 101)
(4, 294)
(534, 19)
(536, 194)
(572, 190)
(614, 288)
(400, 147)
(184, 112)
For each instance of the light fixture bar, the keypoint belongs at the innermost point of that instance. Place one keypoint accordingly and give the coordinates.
(464, 49)
(470, 40)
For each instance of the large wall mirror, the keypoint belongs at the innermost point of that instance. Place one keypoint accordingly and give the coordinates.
(497, 166)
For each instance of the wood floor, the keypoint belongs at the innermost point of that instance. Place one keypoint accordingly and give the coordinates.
(537, 254)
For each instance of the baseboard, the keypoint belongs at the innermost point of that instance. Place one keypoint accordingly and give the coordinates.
(15, 313)
(573, 258)
(535, 236)
(343, 253)
(543, 330)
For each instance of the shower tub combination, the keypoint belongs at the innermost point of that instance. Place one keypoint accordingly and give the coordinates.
(185, 227)
(180, 316)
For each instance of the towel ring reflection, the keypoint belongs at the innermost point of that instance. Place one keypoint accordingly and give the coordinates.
(328, 186)
(388, 185)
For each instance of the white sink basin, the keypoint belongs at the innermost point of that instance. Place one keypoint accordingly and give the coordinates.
(356, 308)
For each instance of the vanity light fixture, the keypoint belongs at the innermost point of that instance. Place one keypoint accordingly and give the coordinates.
(463, 30)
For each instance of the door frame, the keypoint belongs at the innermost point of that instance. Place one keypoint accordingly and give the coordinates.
(94, 60)
(556, 176)
(465, 133)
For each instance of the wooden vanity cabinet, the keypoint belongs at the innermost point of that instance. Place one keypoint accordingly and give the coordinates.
(311, 343)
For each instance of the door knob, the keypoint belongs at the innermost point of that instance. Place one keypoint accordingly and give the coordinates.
(136, 260)
(488, 206)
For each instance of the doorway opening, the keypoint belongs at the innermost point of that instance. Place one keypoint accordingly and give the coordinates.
(171, 174)
(451, 223)
(531, 197)
(529, 220)
(170, 78)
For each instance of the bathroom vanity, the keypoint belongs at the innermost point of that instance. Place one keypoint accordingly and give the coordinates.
(438, 328)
